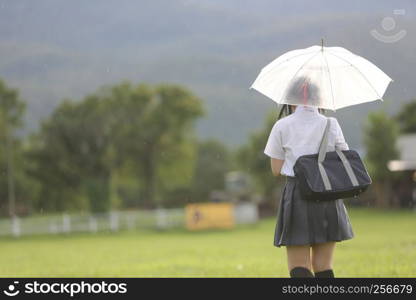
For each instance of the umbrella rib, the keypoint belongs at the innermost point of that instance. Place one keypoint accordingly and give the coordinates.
(330, 80)
(300, 68)
(361, 73)
(287, 60)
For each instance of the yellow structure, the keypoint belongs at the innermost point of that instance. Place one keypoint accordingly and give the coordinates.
(209, 215)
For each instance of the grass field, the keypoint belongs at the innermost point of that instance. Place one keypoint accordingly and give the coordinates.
(384, 245)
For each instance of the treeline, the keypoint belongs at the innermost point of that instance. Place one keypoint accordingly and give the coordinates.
(133, 145)
(123, 146)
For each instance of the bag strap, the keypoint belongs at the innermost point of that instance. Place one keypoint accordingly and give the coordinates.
(321, 157)
(324, 142)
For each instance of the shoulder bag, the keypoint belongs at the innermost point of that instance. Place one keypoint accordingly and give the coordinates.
(331, 175)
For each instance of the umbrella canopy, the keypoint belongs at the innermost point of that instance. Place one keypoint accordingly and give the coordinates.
(325, 77)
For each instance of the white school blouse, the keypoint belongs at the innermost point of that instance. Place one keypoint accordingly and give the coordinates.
(300, 133)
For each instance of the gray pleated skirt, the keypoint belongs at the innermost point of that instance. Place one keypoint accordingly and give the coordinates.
(303, 222)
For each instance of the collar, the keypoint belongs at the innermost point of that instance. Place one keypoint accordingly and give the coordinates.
(303, 109)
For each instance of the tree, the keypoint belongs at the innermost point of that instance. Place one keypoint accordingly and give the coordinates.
(154, 125)
(212, 164)
(252, 159)
(380, 134)
(11, 114)
(139, 131)
(407, 118)
(70, 156)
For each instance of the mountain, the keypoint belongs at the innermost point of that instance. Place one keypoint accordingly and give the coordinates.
(56, 49)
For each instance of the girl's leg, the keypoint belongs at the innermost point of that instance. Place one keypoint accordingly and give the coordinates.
(322, 256)
(299, 261)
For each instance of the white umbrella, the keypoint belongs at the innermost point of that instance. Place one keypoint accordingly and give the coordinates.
(325, 77)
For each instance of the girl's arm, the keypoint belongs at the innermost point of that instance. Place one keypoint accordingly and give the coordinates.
(276, 165)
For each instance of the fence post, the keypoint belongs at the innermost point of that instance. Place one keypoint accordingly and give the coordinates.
(114, 224)
(131, 221)
(92, 224)
(161, 218)
(16, 230)
(66, 223)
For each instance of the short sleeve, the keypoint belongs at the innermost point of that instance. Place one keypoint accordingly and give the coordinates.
(274, 146)
(339, 138)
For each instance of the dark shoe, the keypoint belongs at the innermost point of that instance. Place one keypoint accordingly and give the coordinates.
(301, 272)
(325, 274)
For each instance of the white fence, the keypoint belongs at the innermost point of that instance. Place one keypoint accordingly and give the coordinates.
(113, 221)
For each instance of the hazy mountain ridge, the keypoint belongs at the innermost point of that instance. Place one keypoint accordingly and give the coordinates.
(216, 48)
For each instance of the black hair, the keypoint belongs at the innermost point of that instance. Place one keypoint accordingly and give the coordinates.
(301, 91)
(287, 109)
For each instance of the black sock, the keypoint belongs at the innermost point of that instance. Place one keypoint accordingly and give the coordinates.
(325, 274)
(301, 272)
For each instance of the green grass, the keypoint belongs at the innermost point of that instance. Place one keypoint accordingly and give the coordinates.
(384, 245)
